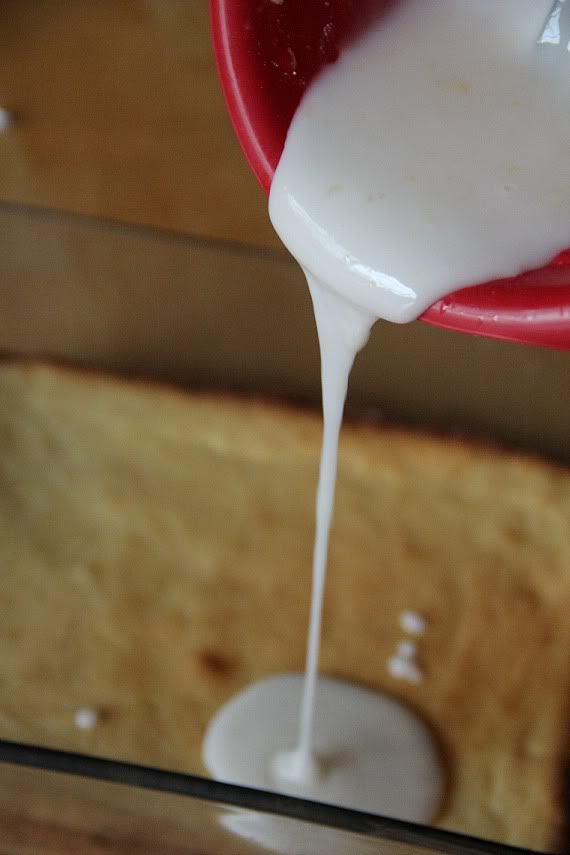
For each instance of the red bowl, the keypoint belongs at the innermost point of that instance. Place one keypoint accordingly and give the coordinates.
(267, 53)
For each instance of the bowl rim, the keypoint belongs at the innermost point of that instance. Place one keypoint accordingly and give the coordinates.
(533, 308)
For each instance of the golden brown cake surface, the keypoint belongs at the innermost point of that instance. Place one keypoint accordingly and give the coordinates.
(155, 554)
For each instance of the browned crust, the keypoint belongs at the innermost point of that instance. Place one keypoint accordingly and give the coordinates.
(358, 422)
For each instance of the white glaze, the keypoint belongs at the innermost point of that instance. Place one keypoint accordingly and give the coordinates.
(413, 623)
(341, 336)
(86, 718)
(407, 649)
(368, 746)
(317, 738)
(435, 154)
(405, 669)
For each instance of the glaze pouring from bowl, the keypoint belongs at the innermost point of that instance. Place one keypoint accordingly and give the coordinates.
(268, 53)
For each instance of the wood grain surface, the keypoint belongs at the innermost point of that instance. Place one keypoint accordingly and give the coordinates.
(117, 113)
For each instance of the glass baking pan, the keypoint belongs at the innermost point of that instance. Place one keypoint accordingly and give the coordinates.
(57, 802)
(145, 303)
